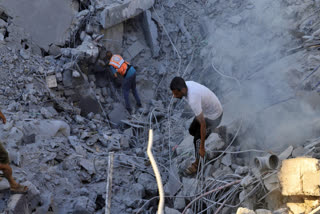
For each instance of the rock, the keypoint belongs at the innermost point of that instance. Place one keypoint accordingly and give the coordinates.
(246, 181)
(186, 146)
(24, 54)
(235, 19)
(83, 205)
(189, 186)
(33, 194)
(241, 170)
(299, 151)
(179, 203)
(118, 113)
(171, 211)
(51, 128)
(286, 153)
(209, 170)
(54, 50)
(281, 211)
(79, 119)
(46, 113)
(173, 185)
(226, 160)
(151, 33)
(3, 24)
(15, 135)
(222, 171)
(242, 210)
(137, 191)
(16, 204)
(148, 182)
(8, 125)
(75, 74)
(15, 157)
(272, 182)
(263, 211)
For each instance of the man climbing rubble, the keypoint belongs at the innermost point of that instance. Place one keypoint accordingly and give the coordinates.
(208, 110)
(6, 169)
(118, 65)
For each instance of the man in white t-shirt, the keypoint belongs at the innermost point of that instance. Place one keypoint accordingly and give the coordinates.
(207, 109)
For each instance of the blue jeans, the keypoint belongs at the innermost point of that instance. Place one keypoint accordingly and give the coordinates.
(130, 83)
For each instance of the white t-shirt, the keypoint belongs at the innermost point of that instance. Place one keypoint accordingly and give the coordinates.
(202, 99)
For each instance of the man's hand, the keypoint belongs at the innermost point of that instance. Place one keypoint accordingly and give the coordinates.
(202, 151)
(115, 75)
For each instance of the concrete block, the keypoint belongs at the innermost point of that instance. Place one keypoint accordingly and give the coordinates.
(116, 13)
(300, 176)
(133, 51)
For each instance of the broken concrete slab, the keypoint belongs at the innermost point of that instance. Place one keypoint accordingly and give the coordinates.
(133, 51)
(151, 33)
(286, 153)
(118, 12)
(113, 38)
(36, 17)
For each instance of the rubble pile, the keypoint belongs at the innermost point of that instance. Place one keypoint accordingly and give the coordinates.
(65, 111)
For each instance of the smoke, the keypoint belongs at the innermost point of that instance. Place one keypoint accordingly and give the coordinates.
(250, 41)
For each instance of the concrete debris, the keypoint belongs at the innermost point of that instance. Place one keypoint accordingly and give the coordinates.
(65, 112)
(133, 50)
(118, 12)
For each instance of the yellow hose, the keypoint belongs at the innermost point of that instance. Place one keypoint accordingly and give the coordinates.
(156, 172)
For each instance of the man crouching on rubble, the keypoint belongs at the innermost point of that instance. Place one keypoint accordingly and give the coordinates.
(208, 111)
(6, 169)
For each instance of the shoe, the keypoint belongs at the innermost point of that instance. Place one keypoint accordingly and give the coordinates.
(129, 110)
(192, 169)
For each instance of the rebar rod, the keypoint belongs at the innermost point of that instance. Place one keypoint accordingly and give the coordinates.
(109, 183)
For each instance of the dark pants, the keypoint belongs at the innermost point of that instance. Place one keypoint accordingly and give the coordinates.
(195, 131)
(130, 83)
(4, 157)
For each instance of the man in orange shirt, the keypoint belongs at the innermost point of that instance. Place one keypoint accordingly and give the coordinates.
(119, 66)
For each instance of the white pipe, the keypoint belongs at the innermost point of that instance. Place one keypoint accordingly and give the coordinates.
(156, 172)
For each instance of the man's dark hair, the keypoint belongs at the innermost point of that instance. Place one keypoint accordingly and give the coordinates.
(177, 83)
(108, 55)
